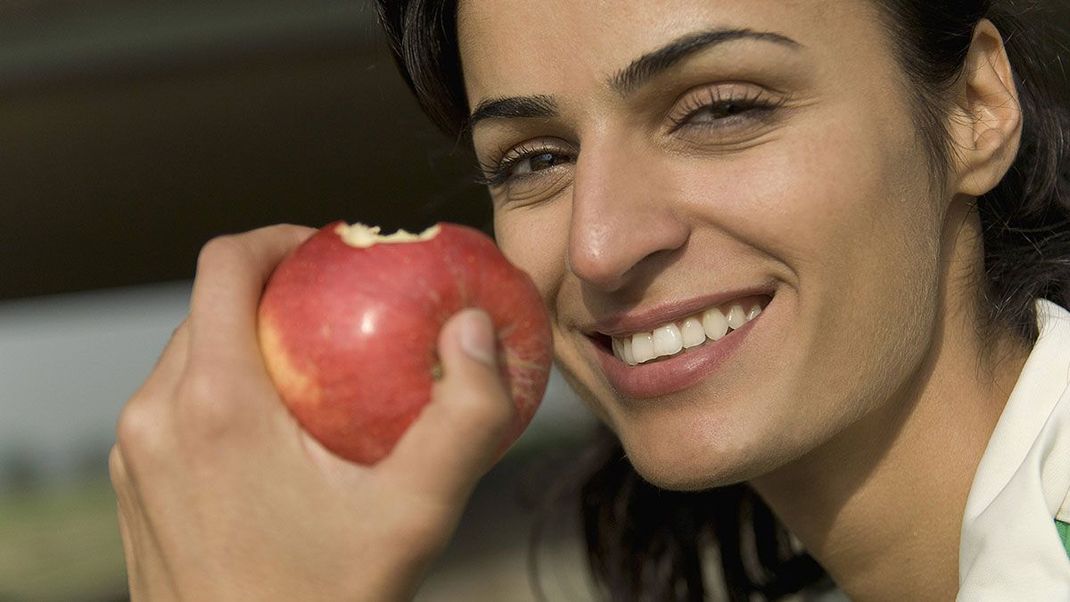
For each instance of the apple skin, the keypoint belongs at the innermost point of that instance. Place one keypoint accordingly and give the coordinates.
(349, 335)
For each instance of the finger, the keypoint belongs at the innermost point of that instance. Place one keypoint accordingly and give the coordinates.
(145, 564)
(128, 511)
(145, 406)
(121, 484)
(459, 434)
(231, 273)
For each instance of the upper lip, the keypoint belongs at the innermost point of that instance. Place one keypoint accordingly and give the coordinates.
(646, 319)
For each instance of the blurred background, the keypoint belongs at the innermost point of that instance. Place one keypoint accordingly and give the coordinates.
(130, 134)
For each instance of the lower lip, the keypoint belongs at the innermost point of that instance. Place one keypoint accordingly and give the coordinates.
(676, 373)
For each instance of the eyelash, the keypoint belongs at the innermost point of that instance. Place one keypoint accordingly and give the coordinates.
(712, 98)
(496, 173)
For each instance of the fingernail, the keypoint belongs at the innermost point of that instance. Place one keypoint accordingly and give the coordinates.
(477, 336)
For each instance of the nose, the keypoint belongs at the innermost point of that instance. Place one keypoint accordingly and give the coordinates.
(623, 215)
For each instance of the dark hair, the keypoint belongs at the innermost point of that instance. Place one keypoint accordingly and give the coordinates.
(647, 544)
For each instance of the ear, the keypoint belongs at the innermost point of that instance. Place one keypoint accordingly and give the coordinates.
(988, 128)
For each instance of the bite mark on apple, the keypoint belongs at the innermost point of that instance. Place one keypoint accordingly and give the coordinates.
(362, 237)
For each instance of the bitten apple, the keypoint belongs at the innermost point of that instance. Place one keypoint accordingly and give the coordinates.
(349, 326)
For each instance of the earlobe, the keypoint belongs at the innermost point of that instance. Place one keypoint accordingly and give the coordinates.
(989, 135)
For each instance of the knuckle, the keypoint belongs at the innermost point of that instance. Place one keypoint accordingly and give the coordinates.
(280, 229)
(202, 408)
(133, 427)
(295, 233)
(180, 331)
(221, 250)
(137, 434)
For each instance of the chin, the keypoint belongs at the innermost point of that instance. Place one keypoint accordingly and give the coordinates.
(688, 443)
(692, 464)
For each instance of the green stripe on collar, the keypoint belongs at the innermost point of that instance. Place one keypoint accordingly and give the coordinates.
(1064, 534)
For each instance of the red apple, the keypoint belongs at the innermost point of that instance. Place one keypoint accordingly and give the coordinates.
(349, 326)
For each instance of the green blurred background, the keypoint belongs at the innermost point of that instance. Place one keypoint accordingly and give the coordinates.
(130, 134)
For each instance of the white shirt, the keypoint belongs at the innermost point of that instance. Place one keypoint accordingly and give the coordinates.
(1010, 550)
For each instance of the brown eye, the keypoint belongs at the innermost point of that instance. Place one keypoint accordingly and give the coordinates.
(527, 160)
(538, 162)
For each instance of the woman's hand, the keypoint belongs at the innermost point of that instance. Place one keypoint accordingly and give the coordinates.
(222, 496)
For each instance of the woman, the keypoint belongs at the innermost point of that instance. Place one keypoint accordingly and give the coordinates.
(859, 202)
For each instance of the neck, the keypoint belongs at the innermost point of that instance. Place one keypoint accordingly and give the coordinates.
(880, 506)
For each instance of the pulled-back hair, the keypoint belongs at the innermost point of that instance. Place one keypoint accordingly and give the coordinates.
(647, 544)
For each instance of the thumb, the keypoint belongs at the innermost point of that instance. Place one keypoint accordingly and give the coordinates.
(459, 435)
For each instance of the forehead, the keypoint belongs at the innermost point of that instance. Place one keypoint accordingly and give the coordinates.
(514, 45)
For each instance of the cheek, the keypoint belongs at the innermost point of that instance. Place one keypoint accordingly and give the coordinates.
(536, 242)
(844, 216)
(830, 200)
(859, 216)
(861, 237)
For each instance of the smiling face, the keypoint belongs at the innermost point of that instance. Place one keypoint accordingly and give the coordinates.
(651, 160)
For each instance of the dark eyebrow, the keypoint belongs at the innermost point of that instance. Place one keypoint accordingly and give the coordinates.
(514, 107)
(651, 64)
(628, 79)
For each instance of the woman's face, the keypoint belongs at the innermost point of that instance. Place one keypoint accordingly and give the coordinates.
(650, 161)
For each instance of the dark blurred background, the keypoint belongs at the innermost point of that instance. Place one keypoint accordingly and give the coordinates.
(130, 134)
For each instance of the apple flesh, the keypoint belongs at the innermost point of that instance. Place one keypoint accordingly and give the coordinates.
(349, 325)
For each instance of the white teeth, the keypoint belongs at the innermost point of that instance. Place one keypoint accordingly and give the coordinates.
(673, 338)
(754, 311)
(692, 332)
(714, 324)
(643, 347)
(736, 316)
(668, 340)
(626, 351)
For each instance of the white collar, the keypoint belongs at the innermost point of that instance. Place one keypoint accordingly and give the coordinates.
(1009, 549)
